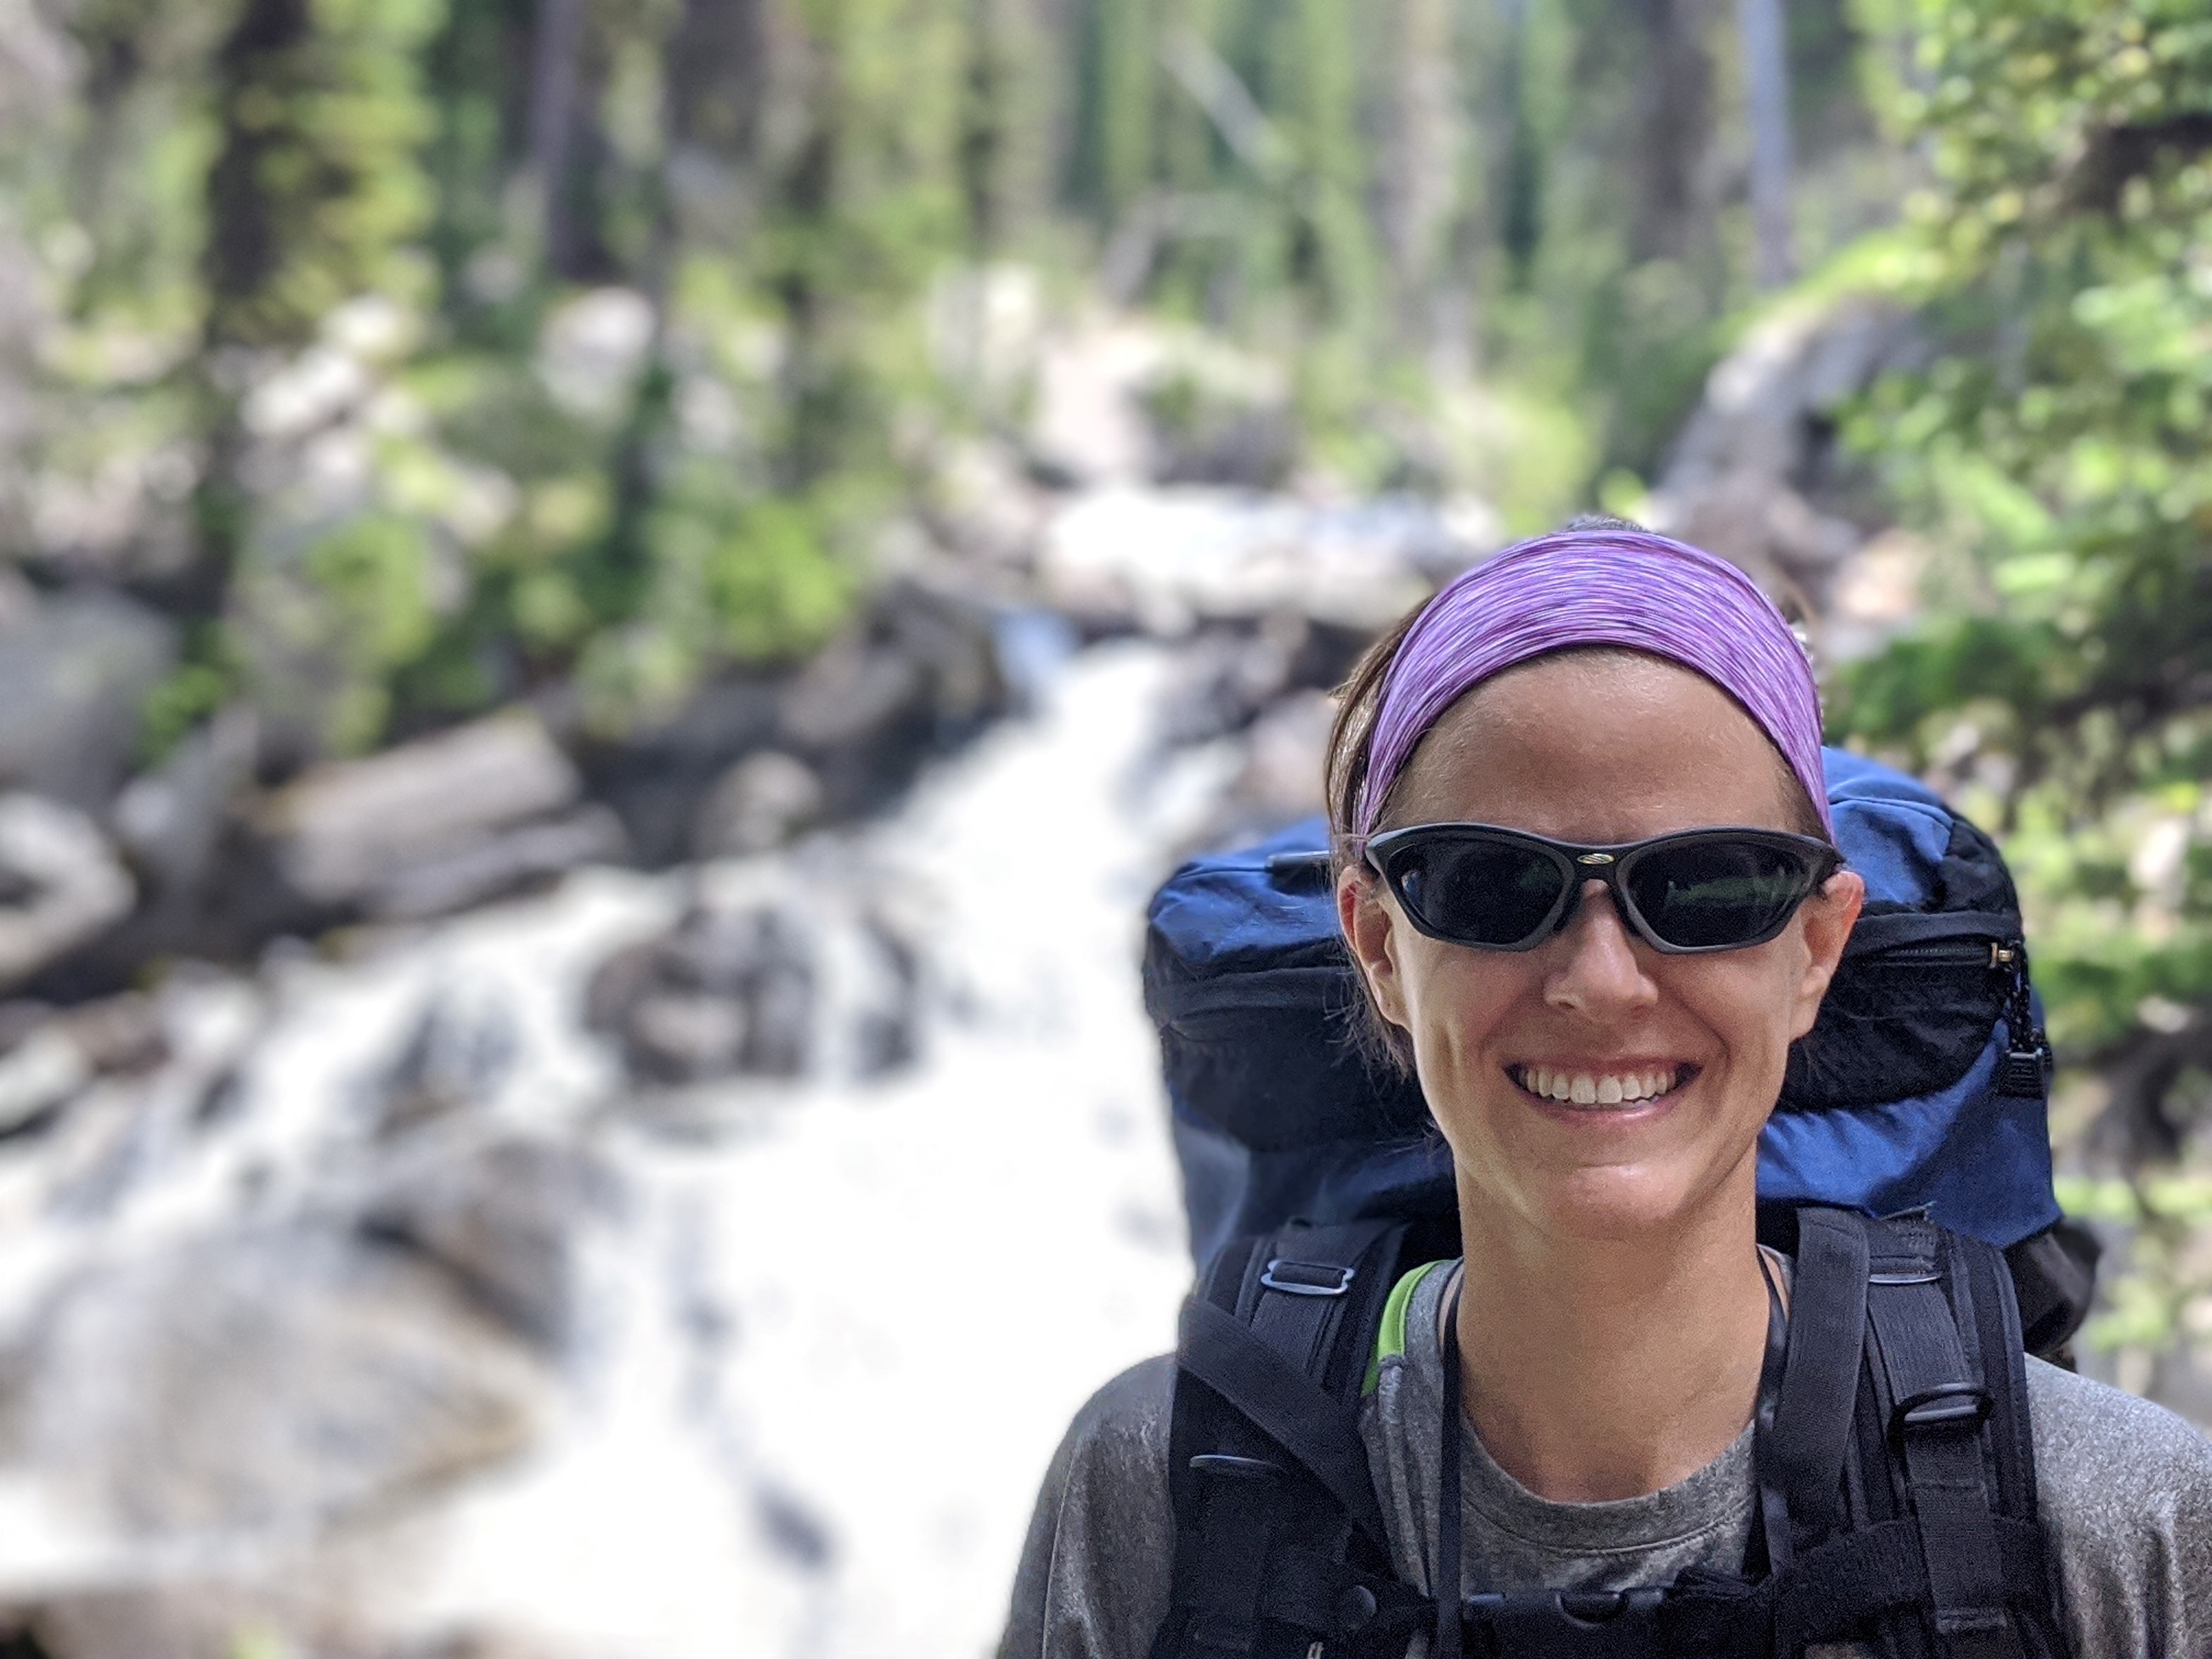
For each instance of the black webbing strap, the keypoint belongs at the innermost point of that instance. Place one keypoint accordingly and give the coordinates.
(1313, 1294)
(1832, 1592)
(1277, 1523)
(1284, 1403)
(1236, 1535)
(1936, 1406)
(1996, 1332)
(1446, 1582)
(2008, 1435)
(1313, 1590)
(1820, 1374)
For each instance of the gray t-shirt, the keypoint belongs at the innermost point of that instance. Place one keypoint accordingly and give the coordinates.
(2125, 1491)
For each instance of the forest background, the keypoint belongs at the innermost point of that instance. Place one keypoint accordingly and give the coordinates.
(408, 359)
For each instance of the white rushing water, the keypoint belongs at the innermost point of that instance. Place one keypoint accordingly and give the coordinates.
(827, 1340)
(855, 1334)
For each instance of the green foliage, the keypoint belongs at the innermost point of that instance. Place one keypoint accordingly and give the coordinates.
(2066, 257)
(2055, 454)
(317, 185)
(375, 574)
(1475, 303)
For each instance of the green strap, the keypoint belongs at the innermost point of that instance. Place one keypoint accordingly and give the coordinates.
(1390, 1340)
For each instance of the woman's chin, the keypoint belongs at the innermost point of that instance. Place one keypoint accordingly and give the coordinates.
(1615, 1203)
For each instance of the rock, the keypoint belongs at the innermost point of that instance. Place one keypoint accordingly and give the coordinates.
(120, 1034)
(511, 863)
(1164, 560)
(1088, 426)
(504, 1219)
(75, 669)
(172, 820)
(986, 507)
(1229, 677)
(1219, 417)
(758, 804)
(1757, 475)
(281, 1379)
(37, 1075)
(730, 992)
(437, 824)
(452, 1061)
(271, 1613)
(915, 673)
(884, 1020)
(43, 1068)
(200, 1619)
(1285, 752)
(657, 778)
(61, 885)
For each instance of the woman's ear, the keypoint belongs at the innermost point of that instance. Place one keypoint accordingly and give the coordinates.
(1829, 915)
(1369, 929)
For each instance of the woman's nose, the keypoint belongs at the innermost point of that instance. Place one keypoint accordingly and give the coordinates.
(1598, 973)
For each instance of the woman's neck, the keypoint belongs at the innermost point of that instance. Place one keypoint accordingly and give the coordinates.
(1599, 1369)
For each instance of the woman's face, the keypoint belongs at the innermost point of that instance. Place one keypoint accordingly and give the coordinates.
(1598, 749)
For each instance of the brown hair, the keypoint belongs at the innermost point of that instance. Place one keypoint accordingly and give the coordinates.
(1344, 771)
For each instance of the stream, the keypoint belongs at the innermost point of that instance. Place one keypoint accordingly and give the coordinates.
(388, 1316)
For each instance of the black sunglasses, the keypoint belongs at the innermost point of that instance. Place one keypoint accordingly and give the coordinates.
(1506, 890)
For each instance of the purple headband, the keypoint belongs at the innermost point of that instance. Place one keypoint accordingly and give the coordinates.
(1598, 586)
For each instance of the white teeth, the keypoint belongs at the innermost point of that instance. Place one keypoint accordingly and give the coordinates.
(1581, 1089)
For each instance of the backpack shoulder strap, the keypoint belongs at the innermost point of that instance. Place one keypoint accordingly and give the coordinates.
(1936, 1398)
(1902, 1433)
(1279, 1541)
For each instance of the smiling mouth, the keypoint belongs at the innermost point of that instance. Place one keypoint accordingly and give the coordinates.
(1602, 1090)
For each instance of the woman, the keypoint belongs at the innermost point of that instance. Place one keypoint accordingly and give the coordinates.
(1602, 1092)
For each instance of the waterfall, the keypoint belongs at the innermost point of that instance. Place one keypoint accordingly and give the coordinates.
(803, 1345)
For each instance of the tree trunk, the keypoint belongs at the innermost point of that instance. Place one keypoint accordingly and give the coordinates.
(256, 67)
(555, 70)
(1673, 131)
(1766, 87)
(1418, 163)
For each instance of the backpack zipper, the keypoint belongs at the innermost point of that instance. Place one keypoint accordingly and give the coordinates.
(1997, 955)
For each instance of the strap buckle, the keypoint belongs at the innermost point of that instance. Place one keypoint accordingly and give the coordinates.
(1222, 1465)
(1307, 1278)
(1572, 1624)
(1952, 1405)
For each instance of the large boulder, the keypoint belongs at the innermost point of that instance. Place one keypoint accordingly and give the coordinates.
(260, 1381)
(61, 884)
(916, 673)
(506, 1220)
(75, 669)
(440, 824)
(729, 992)
(1758, 475)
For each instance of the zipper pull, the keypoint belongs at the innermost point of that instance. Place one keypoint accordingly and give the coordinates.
(2024, 1070)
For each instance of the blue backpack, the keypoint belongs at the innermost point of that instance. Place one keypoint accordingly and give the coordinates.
(1922, 1087)
(1906, 1170)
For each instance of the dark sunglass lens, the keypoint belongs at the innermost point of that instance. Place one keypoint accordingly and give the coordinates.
(1713, 894)
(1475, 892)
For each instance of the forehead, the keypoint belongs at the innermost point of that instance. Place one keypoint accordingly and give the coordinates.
(1595, 747)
